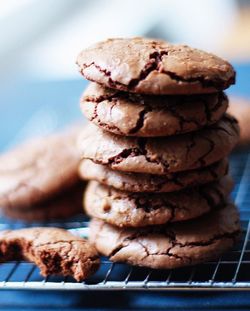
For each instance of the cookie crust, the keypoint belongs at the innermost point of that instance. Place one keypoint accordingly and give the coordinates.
(160, 155)
(129, 114)
(126, 209)
(137, 182)
(156, 67)
(171, 246)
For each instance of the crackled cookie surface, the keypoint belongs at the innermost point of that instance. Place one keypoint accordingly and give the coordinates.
(127, 209)
(136, 115)
(53, 250)
(39, 169)
(154, 67)
(160, 155)
(171, 246)
(138, 182)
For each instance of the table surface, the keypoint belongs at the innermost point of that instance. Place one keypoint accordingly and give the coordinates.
(37, 108)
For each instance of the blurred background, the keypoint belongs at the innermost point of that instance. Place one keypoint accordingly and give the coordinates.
(39, 81)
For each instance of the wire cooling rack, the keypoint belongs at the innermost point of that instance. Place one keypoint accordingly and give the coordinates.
(231, 271)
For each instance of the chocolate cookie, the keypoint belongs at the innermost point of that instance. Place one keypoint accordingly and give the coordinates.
(53, 250)
(62, 206)
(137, 182)
(38, 170)
(150, 66)
(160, 155)
(149, 116)
(127, 209)
(240, 109)
(171, 246)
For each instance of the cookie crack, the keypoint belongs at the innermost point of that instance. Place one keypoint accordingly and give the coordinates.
(191, 145)
(141, 150)
(222, 129)
(140, 121)
(216, 83)
(169, 254)
(221, 98)
(117, 94)
(96, 117)
(182, 119)
(100, 98)
(207, 111)
(227, 235)
(124, 154)
(149, 205)
(174, 243)
(210, 149)
(209, 198)
(213, 169)
(142, 142)
(155, 64)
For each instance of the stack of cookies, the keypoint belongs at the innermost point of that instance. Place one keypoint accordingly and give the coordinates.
(156, 152)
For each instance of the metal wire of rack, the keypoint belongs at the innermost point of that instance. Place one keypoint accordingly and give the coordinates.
(230, 272)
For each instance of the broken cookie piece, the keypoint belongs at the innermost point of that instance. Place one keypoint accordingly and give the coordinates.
(53, 250)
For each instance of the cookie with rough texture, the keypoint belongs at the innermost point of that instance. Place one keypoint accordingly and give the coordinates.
(169, 246)
(62, 206)
(39, 169)
(149, 116)
(137, 182)
(163, 154)
(240, 109)
(151, 66)
(127, 209)
(53, 250)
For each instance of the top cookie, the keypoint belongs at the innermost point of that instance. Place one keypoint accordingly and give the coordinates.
(150, 66)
